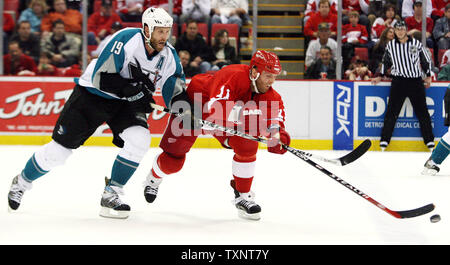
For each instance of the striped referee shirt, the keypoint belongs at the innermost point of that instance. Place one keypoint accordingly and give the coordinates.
(407, 59)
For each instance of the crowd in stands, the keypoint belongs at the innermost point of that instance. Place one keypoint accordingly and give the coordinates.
(367, 27)
(44, 37)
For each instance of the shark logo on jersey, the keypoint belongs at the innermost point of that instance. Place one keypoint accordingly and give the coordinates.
(153, 76)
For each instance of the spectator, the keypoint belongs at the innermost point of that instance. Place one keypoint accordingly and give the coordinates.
(313, 51)
(131, 10)
(99, 23)
(444, 74)
(116, 26)
(438, 9)
(387, 19)
(414, 24)
(34, 14)
(176, 9)
(188, 69)
(360, 6)
(379, 49)
(353, 35)
(8, 27)
(323, 15)
(63, 48)
(17, 63)
(72, 20)
(358, 71)
(195, 44)
(445, 59)
(197, 10)
(29, 43)
(230, 12)
(408, 8)
(224, 53)
(313, 6)
(45, 68)
(441, 31)
(324, 68)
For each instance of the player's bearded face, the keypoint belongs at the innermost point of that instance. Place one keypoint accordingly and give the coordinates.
(159, 37)
(265, 81)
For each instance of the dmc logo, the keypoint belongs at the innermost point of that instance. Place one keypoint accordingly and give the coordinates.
(376, 107)
(343, 100)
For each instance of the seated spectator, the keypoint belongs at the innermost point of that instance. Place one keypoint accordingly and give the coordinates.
(381, 23)
(445, 59)
(63, 48)
(197, 10)
(131, 10)
(441, 31)
(8, 28)
(313, 51)
(195, 44)
(323, 15)
(408, 8)
(358, 71)
(176, 9)
(45, 68)
(29, 43)
(99, 23)
(324, 68)
(116, 26)
(360, 6)
(376, 56)
(414, 24)
(34, 14)
(17, 63)
(444, 74)
(312, 6)
(353, 35)
(224, 53)
(230, 12)
(188, 69)
(72, 20)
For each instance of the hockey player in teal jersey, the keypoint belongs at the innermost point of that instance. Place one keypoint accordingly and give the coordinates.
(115, 88)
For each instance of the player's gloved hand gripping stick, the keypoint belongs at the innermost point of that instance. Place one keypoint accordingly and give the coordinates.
(352, 156)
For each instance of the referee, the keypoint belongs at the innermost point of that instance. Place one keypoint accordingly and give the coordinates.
(407, 60)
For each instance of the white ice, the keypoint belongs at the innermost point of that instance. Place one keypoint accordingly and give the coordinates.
(300, 204)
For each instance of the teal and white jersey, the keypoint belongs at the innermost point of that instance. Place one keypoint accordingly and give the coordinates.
(119, 55)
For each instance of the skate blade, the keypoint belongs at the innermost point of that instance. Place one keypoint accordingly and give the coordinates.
(110, 213)
(254, 216)
(429, 172)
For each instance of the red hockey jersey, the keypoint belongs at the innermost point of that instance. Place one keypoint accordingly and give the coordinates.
(223, 92)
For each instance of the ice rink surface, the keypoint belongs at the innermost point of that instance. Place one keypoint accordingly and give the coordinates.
(300, 204)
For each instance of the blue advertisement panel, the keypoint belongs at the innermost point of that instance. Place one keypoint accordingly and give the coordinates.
(372, 103)
(343, 115)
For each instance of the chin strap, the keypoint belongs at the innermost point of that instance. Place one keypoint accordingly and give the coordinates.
(254, 82)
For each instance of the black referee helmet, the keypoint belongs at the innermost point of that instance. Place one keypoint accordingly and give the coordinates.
(400, 24)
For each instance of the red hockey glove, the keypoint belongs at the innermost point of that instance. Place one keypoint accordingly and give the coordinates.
(274, 143)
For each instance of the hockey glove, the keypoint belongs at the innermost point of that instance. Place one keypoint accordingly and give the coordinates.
(182, 104)
(138, 97)
(275, 141)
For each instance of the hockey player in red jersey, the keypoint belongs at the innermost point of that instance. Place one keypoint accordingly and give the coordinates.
(237, 95)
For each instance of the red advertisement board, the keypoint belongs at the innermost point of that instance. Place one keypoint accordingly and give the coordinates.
(32, 106)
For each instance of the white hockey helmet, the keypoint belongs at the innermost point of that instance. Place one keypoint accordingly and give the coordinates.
(155, 17)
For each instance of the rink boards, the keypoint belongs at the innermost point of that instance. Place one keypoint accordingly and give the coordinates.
(319, 114)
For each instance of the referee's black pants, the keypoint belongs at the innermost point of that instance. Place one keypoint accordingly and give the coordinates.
(414, 89)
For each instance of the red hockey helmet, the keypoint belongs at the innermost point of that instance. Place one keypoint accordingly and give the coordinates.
(266, 61)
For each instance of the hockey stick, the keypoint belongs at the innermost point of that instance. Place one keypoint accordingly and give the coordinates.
(341, 161)
(305, 157)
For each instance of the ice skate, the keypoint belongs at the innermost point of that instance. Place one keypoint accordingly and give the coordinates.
(151, 185)
(18, 188)
(244, 202)
(430, 168)
(111, 205)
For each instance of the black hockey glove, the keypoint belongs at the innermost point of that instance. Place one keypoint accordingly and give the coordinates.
(183, 105)
(139, 97)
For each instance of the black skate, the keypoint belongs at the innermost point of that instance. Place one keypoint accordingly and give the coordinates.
(430, 168)
(151, 185)
(18, 188)
(112, 206)
(244, 202)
